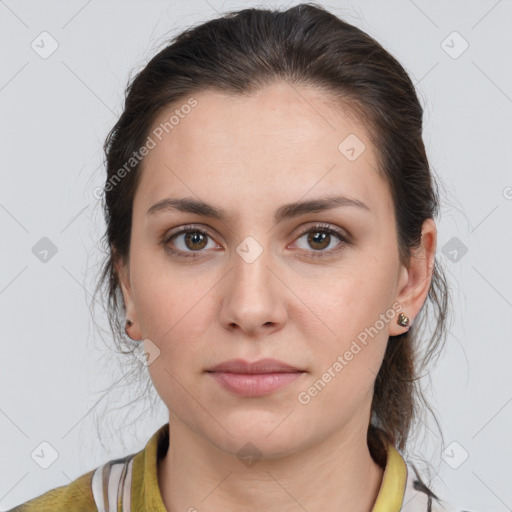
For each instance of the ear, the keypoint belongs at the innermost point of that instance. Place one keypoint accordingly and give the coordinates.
(123, 273)
(414, 280)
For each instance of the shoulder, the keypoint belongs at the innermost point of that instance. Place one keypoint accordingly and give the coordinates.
(418, 497)
(129, 482)
(75, 496)
(84, 494)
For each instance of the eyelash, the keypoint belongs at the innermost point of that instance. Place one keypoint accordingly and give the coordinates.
(191, 228)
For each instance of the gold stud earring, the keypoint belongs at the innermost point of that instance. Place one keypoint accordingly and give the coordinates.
(403, 320)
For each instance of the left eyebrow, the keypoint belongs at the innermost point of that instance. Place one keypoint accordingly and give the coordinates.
(286, 211)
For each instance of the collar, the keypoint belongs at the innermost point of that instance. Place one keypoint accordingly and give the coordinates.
(392, 488)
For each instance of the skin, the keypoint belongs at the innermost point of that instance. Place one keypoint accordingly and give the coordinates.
(250, 155)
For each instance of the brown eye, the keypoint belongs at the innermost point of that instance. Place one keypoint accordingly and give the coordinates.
(190, 241)
(195, 240)
(319, 239)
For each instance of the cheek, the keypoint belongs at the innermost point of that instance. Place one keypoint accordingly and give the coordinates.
(355, 315)
(348, 355)
(174, 308)
(167, 296)
(174, 321)
(173, 318)
(348, 303)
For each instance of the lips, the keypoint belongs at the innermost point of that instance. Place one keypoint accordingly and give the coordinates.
(257, 379)
(241, 366)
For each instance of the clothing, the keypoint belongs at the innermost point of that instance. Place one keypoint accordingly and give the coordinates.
(130, 484)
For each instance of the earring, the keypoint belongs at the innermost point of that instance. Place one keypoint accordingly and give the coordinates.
(129, 323)
(403, 320)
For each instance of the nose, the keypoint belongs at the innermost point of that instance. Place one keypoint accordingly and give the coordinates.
(253, 297)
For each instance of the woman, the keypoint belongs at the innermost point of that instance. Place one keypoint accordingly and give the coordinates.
(270, 221)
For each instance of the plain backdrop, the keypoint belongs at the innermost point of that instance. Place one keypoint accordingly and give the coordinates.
(56, 110)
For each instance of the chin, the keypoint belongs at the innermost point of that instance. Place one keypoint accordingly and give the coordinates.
(261, 438)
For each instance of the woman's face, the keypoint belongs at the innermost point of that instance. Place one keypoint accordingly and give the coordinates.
(265, 281)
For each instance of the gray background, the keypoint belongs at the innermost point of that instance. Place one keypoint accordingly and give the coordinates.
(56, 112)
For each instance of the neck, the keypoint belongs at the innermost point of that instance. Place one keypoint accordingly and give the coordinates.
(337, 474)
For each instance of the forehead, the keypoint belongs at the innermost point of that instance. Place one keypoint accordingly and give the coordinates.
(283, 140)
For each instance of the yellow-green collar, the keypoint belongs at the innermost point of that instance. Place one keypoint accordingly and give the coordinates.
(392, 488)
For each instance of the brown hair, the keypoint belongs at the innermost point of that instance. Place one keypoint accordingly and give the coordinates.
(243, 51)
